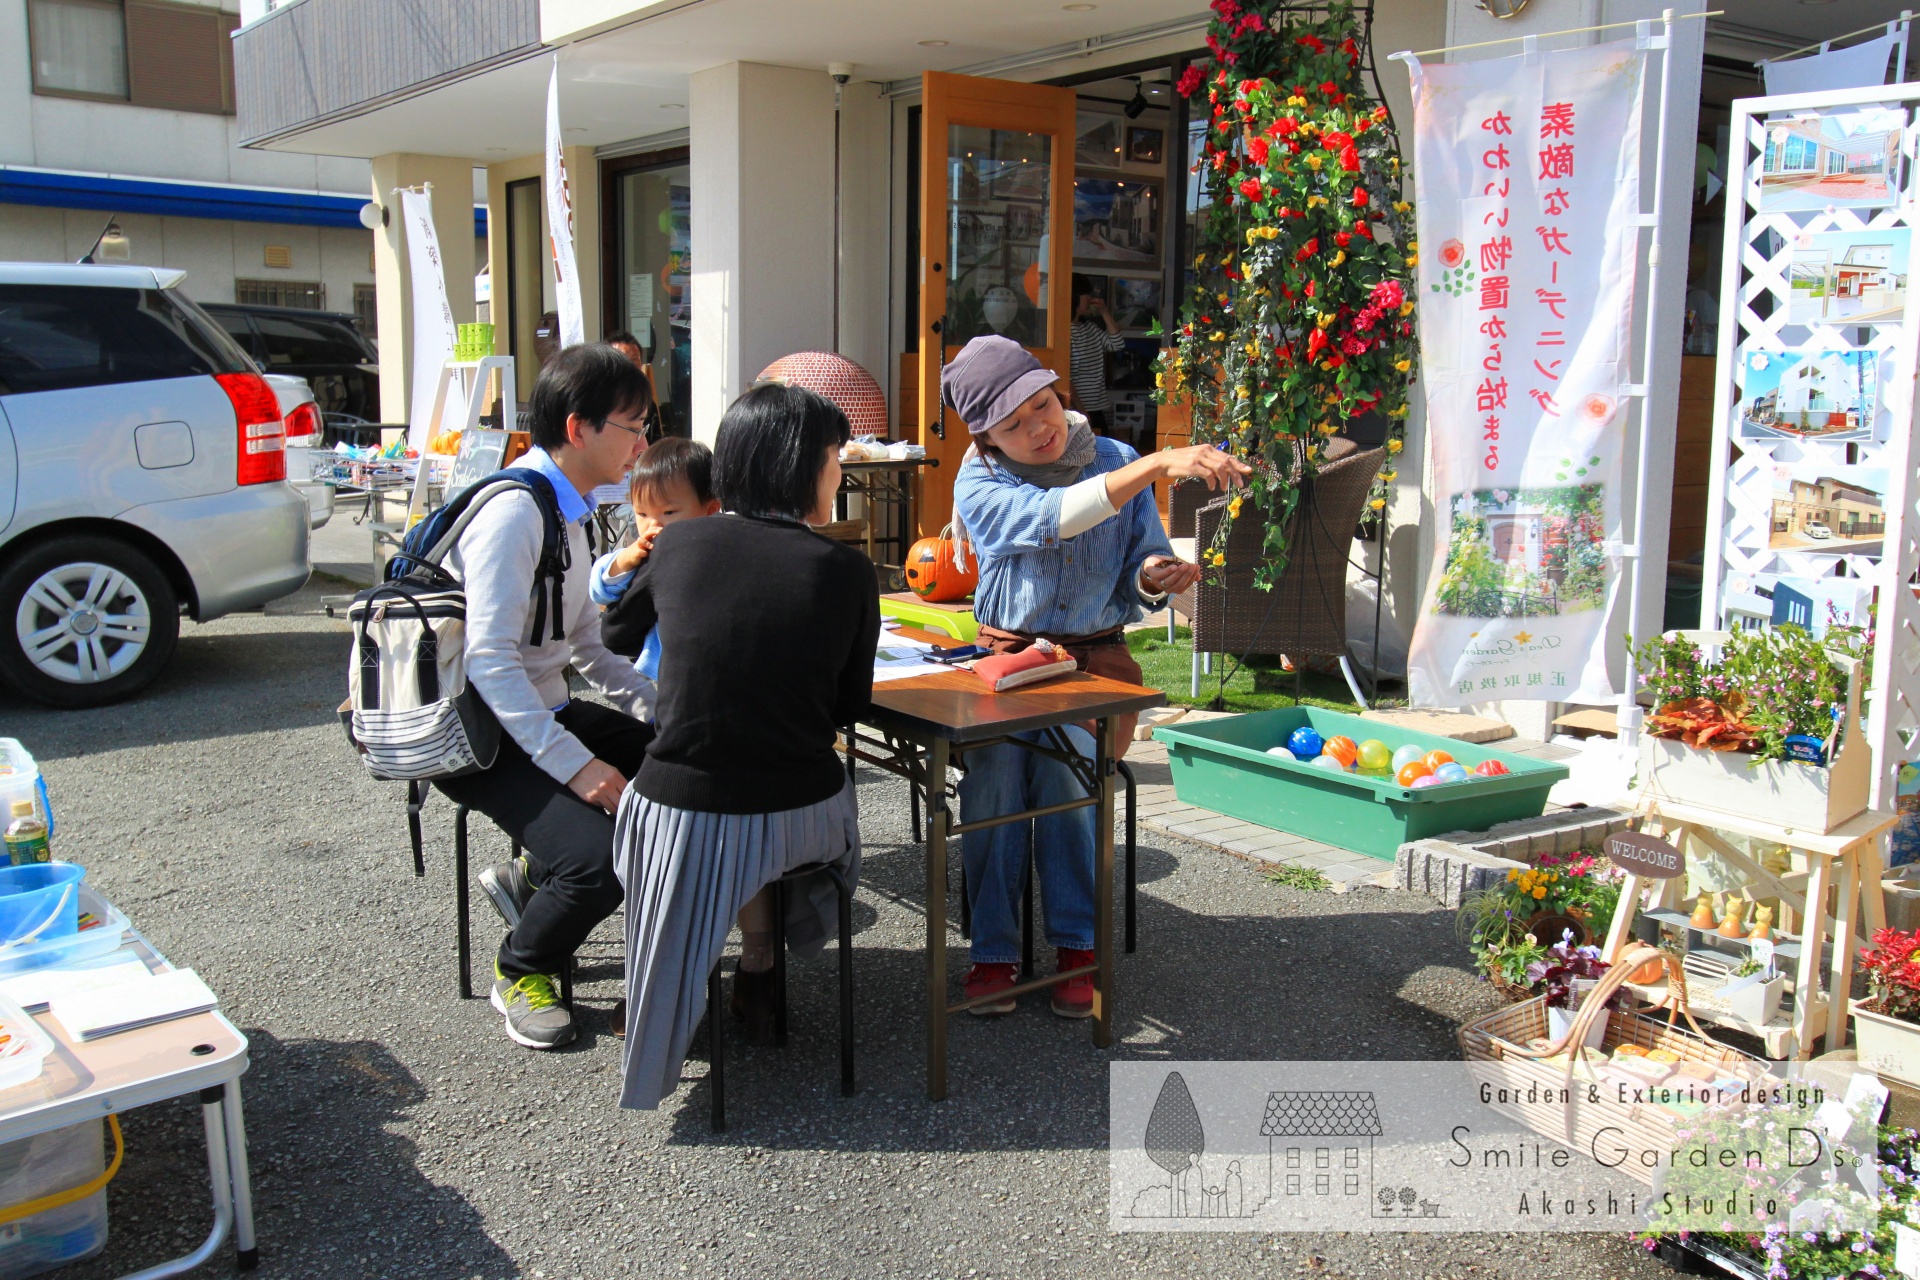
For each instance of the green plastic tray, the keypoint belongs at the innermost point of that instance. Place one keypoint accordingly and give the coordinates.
(1222, 765)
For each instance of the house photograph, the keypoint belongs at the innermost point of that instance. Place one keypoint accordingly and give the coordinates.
(1846, 160)
(1849, 277)
(1824, 508)
(1828, 395)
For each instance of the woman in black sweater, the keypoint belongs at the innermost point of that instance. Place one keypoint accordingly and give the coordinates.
(767, 636)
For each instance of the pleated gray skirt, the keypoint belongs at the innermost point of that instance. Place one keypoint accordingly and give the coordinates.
(686, 876)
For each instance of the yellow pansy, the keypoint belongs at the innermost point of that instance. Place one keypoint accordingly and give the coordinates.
(1217, 337)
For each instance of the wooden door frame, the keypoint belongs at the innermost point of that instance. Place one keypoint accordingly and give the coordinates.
(946, 100)
(612, 289)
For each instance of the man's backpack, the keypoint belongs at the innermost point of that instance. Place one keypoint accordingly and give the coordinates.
(410, 711)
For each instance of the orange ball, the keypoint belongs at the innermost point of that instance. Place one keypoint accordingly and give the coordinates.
(1413, 769)
(1343, 749)
(1436, 758)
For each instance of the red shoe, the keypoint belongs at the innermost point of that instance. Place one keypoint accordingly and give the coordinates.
(990, 979)
(1074, 997)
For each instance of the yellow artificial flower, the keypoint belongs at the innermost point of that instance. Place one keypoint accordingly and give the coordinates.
(1296, 101)
(1218, 337)
(1326, 320)
(1243, 393)
(1406, 308)
(1395, 446)
(1539, 894)
(1338, 258)
(1401, 206)
(1401, 412)
(1412, 245)
(1313, 162)
(1413, 260)
(1403, 365)
(1378, 504)
(1233, 508)
(1314, 202)
(1388, 477)
(1252, 350)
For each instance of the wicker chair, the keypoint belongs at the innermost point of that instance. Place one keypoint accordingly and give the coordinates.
(1305, 615)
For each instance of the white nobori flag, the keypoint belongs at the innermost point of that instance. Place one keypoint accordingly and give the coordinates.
(432, 317)
(566, 277)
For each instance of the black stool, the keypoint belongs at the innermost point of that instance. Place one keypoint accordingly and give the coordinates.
(716, 1016)
(416, 800)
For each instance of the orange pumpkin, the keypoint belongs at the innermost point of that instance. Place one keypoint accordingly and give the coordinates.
(932, 573)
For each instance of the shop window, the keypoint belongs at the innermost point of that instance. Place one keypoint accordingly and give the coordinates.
(648, 260)
(79, 47)
(308, 294)
(366, 308)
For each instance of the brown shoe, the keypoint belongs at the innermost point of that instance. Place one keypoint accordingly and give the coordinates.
(752, 1000)
(617, 1020)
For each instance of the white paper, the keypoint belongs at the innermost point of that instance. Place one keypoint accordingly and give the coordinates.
(1866, 1087)
(898, 658)
(137, 1002)
(33, 991)
(1906, 1250)
(1833, 1119)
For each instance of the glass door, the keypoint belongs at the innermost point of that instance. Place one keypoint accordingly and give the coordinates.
(996, 236)
(529, 282)
(648, 264)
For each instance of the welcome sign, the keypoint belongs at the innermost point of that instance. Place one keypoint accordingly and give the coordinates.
(1527, 186)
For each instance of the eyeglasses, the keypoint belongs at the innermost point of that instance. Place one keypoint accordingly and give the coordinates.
(638, 433)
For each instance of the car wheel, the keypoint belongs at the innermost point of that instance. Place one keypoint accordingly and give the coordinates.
(85, 621)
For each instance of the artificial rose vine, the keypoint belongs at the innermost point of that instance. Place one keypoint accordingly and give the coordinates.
(1301, 313)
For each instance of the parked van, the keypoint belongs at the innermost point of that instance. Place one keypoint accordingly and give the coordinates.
(142, 476)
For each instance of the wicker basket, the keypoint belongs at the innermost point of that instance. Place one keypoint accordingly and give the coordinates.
(1496, 1044)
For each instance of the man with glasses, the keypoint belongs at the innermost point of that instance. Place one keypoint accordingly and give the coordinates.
(563, 763)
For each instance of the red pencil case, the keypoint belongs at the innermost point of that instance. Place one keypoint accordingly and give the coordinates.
(1041, 661)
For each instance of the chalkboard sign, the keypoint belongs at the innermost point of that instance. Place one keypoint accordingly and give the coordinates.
(1645, 855)
(481, 454)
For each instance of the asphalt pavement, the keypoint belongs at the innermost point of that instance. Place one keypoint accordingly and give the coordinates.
(397, 1132)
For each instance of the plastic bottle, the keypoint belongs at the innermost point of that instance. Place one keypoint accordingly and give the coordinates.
(27, 836)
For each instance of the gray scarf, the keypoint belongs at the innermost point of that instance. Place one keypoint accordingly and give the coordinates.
(1058, 474)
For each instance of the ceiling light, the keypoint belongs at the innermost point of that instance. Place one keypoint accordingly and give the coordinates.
(673, 106)
(1138, 102)
(932, 44)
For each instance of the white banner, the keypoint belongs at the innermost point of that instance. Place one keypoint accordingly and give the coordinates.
(432, 317)
(1527, 185)
(566, 278)
(1829, 69)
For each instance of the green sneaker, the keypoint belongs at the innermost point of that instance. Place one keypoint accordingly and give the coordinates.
(535, 1017)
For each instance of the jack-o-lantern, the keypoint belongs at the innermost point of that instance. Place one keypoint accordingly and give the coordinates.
(932, 573)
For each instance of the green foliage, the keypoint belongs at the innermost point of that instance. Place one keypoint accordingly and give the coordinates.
(1777, 682)
(1258, 684)
(1295, 876)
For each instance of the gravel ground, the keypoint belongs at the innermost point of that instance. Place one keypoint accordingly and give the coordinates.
(396, 1132)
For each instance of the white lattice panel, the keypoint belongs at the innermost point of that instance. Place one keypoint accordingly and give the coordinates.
(1759, 327)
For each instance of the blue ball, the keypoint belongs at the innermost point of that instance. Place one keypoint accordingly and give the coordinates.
(1452, 771)
(1305, 743)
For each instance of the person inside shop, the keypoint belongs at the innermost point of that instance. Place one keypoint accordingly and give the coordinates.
(629, 346)
(1094, 334)
(563, 762)
(767, 637)
(1070, 547)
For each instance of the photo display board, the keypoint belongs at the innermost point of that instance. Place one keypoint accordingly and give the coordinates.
(1811, 521)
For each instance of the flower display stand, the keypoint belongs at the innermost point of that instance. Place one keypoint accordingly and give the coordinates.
(1846, 859)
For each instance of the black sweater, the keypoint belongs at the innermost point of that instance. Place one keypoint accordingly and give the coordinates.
(767, 634)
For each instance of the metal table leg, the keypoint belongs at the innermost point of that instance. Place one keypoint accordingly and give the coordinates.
(1103, 885)
(212, 1106)
(236, 1123)
(938, 820)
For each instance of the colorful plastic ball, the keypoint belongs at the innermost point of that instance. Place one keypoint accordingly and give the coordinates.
(1410, 770)
(1491, 769)
(1305, 743)
(1452, 771)
(1329, 762)
(1437, 757)
(1426, 780)
(1342, 749)
(1282, 752)
(1407, 755)
(1374, 757)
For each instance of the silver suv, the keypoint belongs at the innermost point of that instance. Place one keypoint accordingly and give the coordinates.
(142, 475)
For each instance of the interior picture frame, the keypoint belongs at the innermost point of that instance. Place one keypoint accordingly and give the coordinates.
(1100, 140)
(1117, 223)
(1146, 145)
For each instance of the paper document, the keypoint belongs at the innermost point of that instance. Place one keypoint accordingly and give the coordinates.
(898, 659)
(34, 990)
(136, 1002)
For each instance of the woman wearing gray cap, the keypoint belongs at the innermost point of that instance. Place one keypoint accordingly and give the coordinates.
(1070, 545)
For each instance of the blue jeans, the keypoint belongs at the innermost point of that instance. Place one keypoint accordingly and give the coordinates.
(1006, 779)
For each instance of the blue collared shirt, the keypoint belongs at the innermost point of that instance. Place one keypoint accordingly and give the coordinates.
(1030, 580)
(574, 508)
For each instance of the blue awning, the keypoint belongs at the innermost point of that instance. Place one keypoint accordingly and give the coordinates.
(187, 199)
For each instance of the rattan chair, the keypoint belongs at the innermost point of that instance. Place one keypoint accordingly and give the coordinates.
(1305, 614)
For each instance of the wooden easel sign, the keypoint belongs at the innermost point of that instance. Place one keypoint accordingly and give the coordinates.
(1645, 856)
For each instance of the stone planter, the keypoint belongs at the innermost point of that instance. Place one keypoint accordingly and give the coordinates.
(1887, 1046)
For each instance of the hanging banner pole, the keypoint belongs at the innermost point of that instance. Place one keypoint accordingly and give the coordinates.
(566, 276)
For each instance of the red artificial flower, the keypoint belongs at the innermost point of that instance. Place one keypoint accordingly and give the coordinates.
(1309, 290)
(1227, 9)
(1257, 150)
(1336, 141)
(1213, 44)
(1249, 23)
(1230, 58)
(1332, 92)
(1362, 229)
(1359, 197)
(1293, 146)
(1314, 43)
(1284, 127)
(1250, 188)
(1354, 346)
(1244, 107)
(1248, 86)
(1307, 250)
(1387, 295)
(1365, 320)
(1190, 81)
(1350, 161)
(1335, 360)
(1316, 342)
(1342, 238)
(1363, 124)
(1380, 115)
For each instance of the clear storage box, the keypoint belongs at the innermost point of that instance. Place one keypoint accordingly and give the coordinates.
(45, 1165)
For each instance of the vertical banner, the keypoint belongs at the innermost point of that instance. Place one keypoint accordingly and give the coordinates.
(1527, 185)
(432, 317)
(566, 277)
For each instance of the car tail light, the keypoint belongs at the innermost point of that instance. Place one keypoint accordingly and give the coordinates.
(263, 437)
(303, 422)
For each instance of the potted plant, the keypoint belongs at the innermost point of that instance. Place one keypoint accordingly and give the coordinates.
(1886, 1025)
(1567, 973)
(1764, 724)
(1754, 991)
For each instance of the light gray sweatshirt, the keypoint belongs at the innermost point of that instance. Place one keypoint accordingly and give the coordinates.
(523, 683)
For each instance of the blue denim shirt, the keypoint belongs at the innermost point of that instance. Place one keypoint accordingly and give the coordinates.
(574, 509)
(1030, 580)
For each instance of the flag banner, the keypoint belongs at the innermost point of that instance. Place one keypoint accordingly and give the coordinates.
(432, 317)
(1527, 186)
(566, 277)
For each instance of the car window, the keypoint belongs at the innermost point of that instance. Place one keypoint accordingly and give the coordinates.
(54, 337)
(235, 323)
(298, 342)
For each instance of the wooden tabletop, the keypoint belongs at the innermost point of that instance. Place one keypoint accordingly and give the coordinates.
(955, 704)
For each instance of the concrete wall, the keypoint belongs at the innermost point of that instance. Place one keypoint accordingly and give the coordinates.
(761, 141)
